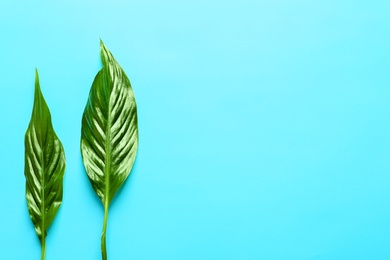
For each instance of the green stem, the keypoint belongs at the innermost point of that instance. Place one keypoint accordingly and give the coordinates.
(43, 242)
(104, 250)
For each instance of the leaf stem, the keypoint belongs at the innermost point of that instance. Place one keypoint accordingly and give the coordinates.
(104, 250)
(43, 242)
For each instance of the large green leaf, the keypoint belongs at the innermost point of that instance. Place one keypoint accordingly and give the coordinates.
(109, 134)
(44, 167)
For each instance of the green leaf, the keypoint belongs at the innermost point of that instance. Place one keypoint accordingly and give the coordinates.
(44, 167)
(109, 133)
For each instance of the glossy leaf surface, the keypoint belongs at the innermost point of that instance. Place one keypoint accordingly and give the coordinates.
(44, 167)
(109, 134)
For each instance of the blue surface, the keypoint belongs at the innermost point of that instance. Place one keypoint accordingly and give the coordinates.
(264, 127)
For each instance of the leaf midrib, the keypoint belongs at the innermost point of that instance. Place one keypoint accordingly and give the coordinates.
(108, 150)
(43, 168)
(43, 196)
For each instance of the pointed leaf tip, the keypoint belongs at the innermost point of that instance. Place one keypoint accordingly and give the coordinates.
(36, 76)
(102, 47)
(105, 54)
(37, 85)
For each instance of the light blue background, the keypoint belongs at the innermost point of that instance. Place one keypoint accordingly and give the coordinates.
(264, 127)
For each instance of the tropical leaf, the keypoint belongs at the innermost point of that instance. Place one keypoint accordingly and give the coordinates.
(109, 133)
(44, 167)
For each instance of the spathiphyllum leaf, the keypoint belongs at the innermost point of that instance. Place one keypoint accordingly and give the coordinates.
(109, 134)
(44, 167)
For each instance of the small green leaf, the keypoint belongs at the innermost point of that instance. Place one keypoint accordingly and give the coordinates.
(109, 133)
(44, 167)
